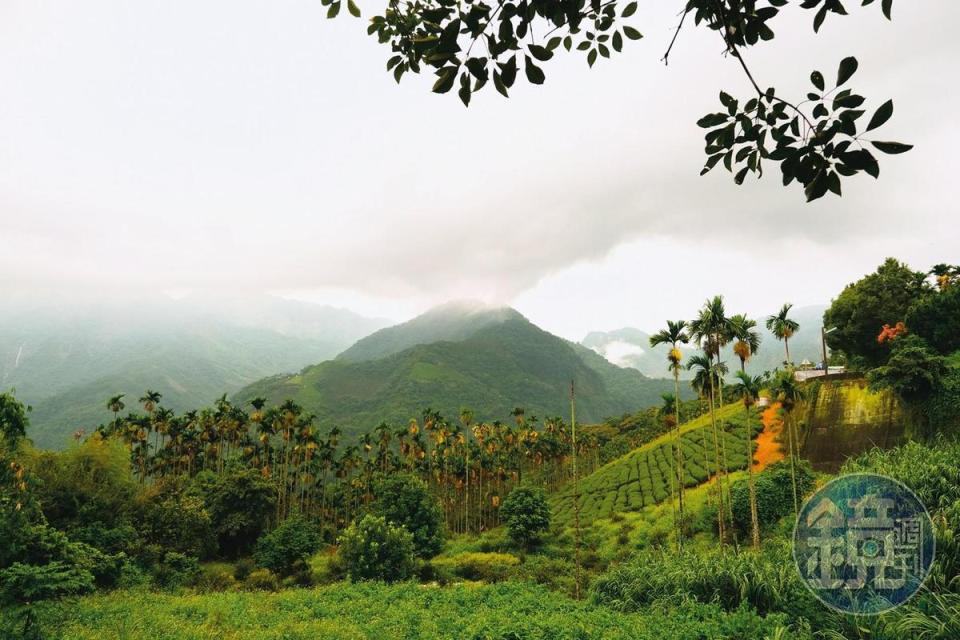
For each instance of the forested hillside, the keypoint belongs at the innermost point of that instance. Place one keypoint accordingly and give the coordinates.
(502, 361)
(67, 360)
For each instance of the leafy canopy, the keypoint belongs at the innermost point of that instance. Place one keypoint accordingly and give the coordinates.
(817, 141)
(860, 311)
(526, 514)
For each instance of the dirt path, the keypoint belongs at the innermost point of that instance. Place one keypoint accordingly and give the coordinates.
(768, 447)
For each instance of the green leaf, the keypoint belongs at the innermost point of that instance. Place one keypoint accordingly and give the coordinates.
(632, 33)
(498, 84)
(592, 57)
(445, 80)
(712, 120)
(887, 5)
(881, 116)
(817, 79)
(629, 10)
(818, 19)
(892, 148)
(353, 8)
(848, 67)
(534, 73)
(540, 53)
(333, 10)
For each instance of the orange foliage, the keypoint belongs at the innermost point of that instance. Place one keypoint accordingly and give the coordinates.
(768, 449)
(889, 334)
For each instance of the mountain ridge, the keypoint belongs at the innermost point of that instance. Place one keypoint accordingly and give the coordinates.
(498, 361)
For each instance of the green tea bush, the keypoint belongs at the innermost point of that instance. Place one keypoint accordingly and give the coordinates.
(486, 567)
(526, 513)
(288, 546)
(374, 549)
(644, 476)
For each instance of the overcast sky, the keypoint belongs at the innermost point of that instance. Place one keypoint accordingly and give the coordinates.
(242, 145)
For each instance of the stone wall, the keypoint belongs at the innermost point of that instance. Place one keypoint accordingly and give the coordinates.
(845, 418)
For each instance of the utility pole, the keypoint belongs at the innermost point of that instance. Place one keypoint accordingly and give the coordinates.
(823, 343)
(576, 490)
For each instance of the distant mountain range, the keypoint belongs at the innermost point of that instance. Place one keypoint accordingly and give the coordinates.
(66, 359)
(630, 347)
(460, 355)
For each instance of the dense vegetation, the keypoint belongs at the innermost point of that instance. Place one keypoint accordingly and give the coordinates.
(488, 360)
(164, 525)
(900, 326)
(64, 361)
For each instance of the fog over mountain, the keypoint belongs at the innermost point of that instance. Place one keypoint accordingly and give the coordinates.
(630, 347)
(66, 356)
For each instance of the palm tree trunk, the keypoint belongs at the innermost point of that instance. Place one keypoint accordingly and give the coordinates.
(786, 345)
(754, 520)
(716, 452)
(793, 464)
(679, 459)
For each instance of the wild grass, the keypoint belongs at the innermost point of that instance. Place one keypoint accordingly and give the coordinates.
(508, 611)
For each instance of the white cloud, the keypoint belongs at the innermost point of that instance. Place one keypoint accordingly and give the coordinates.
(235, 144)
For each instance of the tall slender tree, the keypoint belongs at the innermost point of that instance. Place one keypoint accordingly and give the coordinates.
(747, 339)
(790, 394)
(675, 334)
(749, 390)
(783, 327)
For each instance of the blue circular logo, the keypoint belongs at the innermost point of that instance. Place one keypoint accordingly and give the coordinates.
(864, 543)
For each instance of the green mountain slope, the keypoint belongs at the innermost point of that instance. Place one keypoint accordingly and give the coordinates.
(453, 321)
(67, 360)
(507, 362)
(643, 477)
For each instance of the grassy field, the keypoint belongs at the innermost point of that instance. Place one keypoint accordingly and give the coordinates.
(642, 478)
(508, 611)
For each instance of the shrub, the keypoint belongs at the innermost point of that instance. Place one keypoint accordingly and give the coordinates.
(774, 486)
(374, 549)
(88, 486)
(405, 500)
(167, 515)
(326, 568)
(176, 570)
(487, 567)
(215, 577)
(240, 503)
(290, 544)
(262, 580)
(526, 514)
(243, 568)
(29, 583)
(766, 580)
(557, 574)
